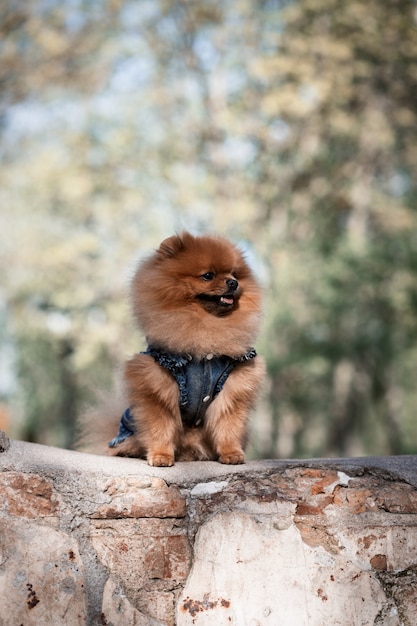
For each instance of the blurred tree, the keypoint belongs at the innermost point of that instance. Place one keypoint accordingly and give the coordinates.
(337, 178)
(291, 125)
(51, 46)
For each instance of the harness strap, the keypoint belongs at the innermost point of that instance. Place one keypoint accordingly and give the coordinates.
(126, 429)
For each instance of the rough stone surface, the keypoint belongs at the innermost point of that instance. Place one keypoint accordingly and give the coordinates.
(27, 496)
(41, 576)
(139, 497)
(95, 540)
(4, 442)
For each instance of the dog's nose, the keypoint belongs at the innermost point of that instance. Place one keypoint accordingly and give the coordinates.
(232, 284)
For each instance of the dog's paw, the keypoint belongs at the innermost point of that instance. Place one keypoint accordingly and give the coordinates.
(160, 460)
(234, 457)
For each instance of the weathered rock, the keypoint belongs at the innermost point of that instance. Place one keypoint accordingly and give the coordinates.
(247, 571)
(117, 609)
(41, 576)
(4, 442)
(27, 495)
(141, 497)
(95, 540)
(151, 558)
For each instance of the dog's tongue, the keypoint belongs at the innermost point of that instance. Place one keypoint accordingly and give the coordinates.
(226, 300)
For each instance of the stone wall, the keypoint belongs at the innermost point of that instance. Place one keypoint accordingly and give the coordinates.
(94, 540)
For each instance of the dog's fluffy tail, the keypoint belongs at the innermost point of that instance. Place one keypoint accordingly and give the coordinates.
(99, 424)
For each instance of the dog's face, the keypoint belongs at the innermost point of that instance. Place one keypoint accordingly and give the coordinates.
(197, 295)
(205, 271)
(221, 293)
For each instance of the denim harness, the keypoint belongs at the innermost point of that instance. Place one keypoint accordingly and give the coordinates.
(199, 383)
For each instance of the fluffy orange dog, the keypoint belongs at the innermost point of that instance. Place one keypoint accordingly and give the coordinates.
(189, 395)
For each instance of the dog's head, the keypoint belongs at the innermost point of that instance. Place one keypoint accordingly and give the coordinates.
(206, 270)
(197, 295)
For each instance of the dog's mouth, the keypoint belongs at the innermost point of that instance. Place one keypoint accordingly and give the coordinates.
(227, 300)
(219, 304)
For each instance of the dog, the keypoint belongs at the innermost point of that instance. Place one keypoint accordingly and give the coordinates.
(188, 395)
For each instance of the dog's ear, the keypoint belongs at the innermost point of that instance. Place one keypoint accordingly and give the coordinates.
(173, 245)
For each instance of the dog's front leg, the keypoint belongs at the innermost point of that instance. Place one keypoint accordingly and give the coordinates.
(228, 416)
(154, 397)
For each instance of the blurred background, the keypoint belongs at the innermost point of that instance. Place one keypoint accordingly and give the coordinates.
(289, 127)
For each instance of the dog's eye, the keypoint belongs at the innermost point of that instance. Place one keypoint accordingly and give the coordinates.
(208, 276)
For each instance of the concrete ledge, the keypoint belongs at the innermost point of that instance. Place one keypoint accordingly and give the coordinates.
(101, 540)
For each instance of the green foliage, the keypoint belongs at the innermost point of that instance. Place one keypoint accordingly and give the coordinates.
(291, 125)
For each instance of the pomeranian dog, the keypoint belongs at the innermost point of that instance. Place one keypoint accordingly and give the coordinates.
(188, 396)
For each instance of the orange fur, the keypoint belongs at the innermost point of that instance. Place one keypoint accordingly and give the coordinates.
(196, 296)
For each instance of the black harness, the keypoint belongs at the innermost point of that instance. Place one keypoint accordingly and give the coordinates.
(199, 382)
